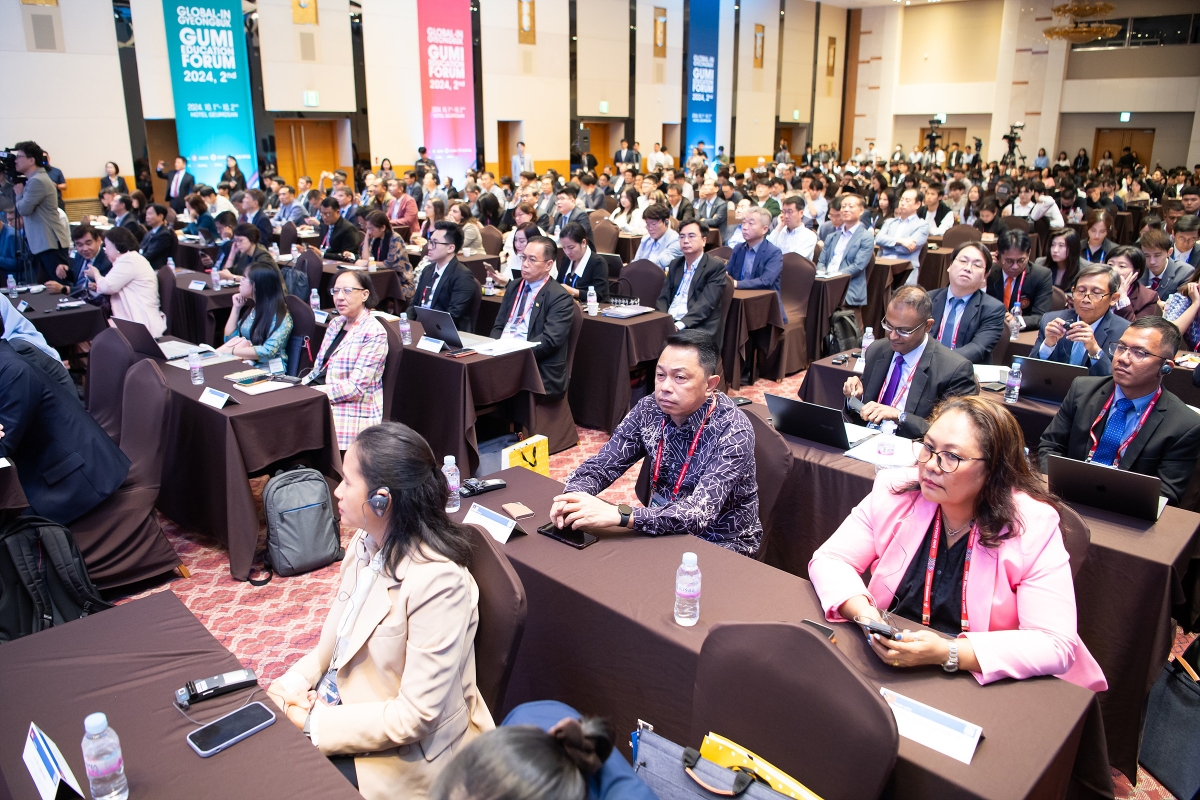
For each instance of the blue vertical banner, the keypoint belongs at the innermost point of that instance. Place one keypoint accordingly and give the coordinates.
(704, 20)
(210, 79)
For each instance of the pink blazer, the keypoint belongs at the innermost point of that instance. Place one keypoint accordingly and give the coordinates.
(1020, 596)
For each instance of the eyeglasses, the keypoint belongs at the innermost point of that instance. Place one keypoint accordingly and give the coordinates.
(1138, 354)
(901, 332)
(345, 290)
(1094, 294)
(946, 461)
(433, 242)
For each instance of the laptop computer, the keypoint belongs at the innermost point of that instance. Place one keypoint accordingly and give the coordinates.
(440, 325)
(1047, 380)
(815, 423)
(139, 338)
(1106, 488)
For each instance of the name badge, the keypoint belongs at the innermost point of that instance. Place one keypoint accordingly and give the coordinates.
(498, 525)
(211, 397)
(198, 286)
(275, 365)
(431, 344)
(327, 691)
(50, 771)
(322, 317)
(660, 499)
(22, 306)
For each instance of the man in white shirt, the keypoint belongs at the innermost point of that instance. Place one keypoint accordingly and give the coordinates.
(661, 245)
(655, 161)
(871, 156)
(905, 234)
(488, 181)
(521, 162)
(916, 155)
(935, 212)
(790, 235)
(668, 160)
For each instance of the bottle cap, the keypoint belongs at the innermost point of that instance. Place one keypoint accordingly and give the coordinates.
(870, 330)
(95, 724)
(689, 559)
(448, 460)
(193, 350)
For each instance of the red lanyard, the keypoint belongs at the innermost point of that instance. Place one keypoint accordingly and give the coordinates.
(328, 233)
(691, 451)
(957, 322)
(521, 305)
(932, 561)
(1129, 439)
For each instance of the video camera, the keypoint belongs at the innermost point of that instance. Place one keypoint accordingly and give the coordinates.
(933, 137)
(8, 163)
(978, 145)
(1013, 136)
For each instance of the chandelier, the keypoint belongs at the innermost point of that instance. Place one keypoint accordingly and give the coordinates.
(1078, 32)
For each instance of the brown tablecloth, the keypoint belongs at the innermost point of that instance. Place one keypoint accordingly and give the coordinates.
(932, 272)
(65, 327)
(601, 637)
(827, 294)
(211, 452)
(127, 662)
(187, 256)
(751, 310)
(199, 315)
(488, 310)
(437, 396)
(627, 246)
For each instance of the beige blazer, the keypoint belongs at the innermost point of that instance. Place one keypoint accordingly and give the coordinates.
(409, 699)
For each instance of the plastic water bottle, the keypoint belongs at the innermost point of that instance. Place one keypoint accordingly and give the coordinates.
(12, 286)
(405, 330)
(593, 306)
(452, 478)
(171, 263)
(687, 592)
(868, 340)
(1012, 388)
(489, 287)
(216, 277)
(102, 759)
(194, 365)
(314, 300)
(1018, 322)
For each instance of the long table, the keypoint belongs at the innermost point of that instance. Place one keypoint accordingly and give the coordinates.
(199, 315)
(752, 310)
(600, 636)
(127, 662)
(62, 327)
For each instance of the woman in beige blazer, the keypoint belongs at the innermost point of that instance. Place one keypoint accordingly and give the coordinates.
(389, 692)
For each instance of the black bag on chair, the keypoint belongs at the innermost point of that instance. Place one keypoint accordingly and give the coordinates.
(843, 333)
(1171, 742)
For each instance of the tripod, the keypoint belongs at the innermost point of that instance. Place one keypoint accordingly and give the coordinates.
(1009, 159)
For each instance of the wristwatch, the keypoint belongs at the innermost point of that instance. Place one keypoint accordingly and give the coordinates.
(951, 664)
(900, 420)
(626, 512)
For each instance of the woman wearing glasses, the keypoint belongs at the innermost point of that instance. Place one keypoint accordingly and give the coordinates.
(349, 366)
(996, 591)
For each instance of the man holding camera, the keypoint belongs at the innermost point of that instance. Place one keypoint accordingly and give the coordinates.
(46, 230)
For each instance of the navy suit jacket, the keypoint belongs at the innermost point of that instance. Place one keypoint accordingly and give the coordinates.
(765, 273)
(157, 246)
(76, 277)
(1109, 330)
(186, 185)
(454, 292)
(980, 325)
(263, 223)
(854, 262)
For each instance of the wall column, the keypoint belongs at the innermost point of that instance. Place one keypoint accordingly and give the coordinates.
(1056, 72)
(1002, 115)
(1194, 145)
(892, 33)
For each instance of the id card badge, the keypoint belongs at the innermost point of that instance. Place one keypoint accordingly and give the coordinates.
(659, 499)
(327, 691)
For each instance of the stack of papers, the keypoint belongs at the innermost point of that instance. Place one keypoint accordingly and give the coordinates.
(264, 387)
(991, 373)
(499, 347)
(875, 451)
(173, 350)
(625, 312)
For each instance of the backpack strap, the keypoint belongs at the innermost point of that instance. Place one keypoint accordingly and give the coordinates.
(64, 555)
(26, 553)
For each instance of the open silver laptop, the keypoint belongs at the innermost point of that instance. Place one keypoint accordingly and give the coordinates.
(1106, 488)
(440, 325)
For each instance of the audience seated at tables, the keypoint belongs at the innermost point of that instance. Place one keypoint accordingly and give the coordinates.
(936, 214)
(131, 284)
(1163, 274)
(387, 248)
(965, 318)
(678, 205)
(516, 241)
(389, 692)
(567, 212)
(89, 251)
(989, 220)
(1134, 299)
(627, 216)
(908, 372)
(226, 221)
(1064, 260)
(1031, 203)
(967, 543)
(460, 214)
(1129, 420)
(1080, 335)
(159, 241)
(260, 333)
(660, 244)
(401, 209)
(695, 283)
(701, 448)
(538, 308)
(905, 234)
(445, 284)
(1097, 245)
(338, 238)
(1184, 236)
(66, 463)
(1015, 280)
(848, 251)
(581, 267)
(790, 235)
(201, 218)
(346, 205)
(290, 209)
(246, 250)
(253, 203)
(713, 211)
(349, 365)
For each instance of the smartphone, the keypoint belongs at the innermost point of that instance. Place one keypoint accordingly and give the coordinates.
(577, 539)
(230, 729)
(993, 386)
(855, 404)
(873, 626)
(517, 510)
(839, 360)
(461, 352)
(741, 401)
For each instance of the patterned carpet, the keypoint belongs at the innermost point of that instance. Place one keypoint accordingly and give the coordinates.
(271, 627)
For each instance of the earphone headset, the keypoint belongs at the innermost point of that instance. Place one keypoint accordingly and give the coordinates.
(1166, 368)
(379, 501)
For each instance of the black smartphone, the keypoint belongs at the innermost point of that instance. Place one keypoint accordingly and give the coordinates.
(839, 360)
(577, 539)
(230, 729)
(993, 386)
(871, 626)
(741, 401)
(855, 404)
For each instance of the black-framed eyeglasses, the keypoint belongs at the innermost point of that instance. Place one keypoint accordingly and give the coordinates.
(901, 332)
(946, 461)
(1094, 294)
(1138, 354)
(432, 242)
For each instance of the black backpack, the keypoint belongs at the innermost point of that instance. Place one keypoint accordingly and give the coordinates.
(43, 580)
(295, 281)
(843, 333)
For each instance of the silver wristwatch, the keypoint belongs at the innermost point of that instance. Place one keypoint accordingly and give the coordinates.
(951, 664)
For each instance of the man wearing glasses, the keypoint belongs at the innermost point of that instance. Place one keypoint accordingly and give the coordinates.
(1018, 281)
(965, 319)
(909, 372)
(1079, 336)
(338, 238)
(1129, 421)
(445, 284)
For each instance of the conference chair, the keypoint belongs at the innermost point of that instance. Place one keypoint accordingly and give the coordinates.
(1015, 223)
(166, 292)
(493, 240)
(795, 286)
(879, 289)
(473, 309)
(645, 280)
(1041, 233)
(614, 266)
(391, 366)
(287, 237)
(1058, 299)
(120, 539)
(311, 263)
(596, 216)
(820, 245)
(552, 415)
(502, 610)
(959, 234)
(726, 304)
(723, 253)
(1076, 535)
(713, 240)
(610, 203)
(300, 349)
(823, 724)
(772, 463)
(999, 355)
(674, 224)
(110, 358)
(606, 234)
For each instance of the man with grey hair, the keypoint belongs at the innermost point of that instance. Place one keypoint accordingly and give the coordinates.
(1081, 335)
(756, 264)
(848, 251)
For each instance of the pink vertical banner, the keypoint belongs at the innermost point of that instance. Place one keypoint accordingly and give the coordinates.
(447, 84)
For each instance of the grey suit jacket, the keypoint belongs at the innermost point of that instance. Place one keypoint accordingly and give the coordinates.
(854, 262)
(1174, 275)
(38, 204)
(715, 216)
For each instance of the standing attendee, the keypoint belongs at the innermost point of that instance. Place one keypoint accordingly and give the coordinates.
(661, 243)
(1081, 335)
(965, 318)
(424, 165)
(112, 178)
(180, 183)
(625, 158)
(385, 172)
(131, 283)
(232, 175)
(445, 284)
(695, 283)
(259, 334)
(159, 241)
(521, 161)
(46, 231)
(1017, 281)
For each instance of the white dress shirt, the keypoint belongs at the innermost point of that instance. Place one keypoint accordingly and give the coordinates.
(517, 327)
(799, 240)
(678, 308)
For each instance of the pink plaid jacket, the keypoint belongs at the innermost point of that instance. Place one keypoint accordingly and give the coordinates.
(354, 377)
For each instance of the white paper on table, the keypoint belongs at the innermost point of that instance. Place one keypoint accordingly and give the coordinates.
(500, 347)
(935, 729)
(264, 387)
(858, 433)
(860, 364)
(902, 455)
(207, 358)
(173, 349)
(47, 766)
(991, 373)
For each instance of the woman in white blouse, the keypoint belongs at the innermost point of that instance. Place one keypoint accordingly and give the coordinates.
(628, 214)
(131, 284)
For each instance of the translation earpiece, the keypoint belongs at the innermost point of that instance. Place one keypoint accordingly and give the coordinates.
(379, 501)
(1166, 368)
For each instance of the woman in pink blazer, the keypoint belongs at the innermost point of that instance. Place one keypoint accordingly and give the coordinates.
(999, 548)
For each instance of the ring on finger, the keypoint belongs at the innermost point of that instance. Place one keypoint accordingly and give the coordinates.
(895, 663)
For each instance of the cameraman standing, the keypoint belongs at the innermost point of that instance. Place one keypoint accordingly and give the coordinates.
(46, 230)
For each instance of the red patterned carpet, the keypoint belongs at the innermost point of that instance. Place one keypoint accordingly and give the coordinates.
(270, 627)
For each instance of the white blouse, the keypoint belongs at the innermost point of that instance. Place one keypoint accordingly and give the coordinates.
(133, 290)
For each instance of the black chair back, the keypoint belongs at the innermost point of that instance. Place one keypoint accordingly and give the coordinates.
(304, 325)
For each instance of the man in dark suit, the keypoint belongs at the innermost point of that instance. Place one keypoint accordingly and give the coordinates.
(695, 283)
(1016, 279)
(679, 206)
(159, 242)
(965, 318)
(1163, 274)
(445, 284)
(592, 196)
(580, 267)
(710, 209)
(536, 308)
(567, 212)
(338, 238)
(89, 252)
(123, 217)
(909, 372)
(253, 203)
(1080, 336)
(65, 461)
(346, 205)
(1122, 421)
(626, 157)
(179, 183)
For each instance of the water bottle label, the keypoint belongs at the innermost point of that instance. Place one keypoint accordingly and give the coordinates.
(101, 768)
(687, 595)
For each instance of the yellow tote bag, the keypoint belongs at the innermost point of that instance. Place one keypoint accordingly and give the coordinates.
(725, 753)
(532, 453)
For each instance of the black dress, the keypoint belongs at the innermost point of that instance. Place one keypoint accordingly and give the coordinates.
(945, 597)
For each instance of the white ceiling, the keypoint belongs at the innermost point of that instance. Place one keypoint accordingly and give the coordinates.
(881, 3)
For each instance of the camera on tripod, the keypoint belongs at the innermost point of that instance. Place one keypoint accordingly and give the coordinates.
(8, 163)
(934, 136)
(1012, 137)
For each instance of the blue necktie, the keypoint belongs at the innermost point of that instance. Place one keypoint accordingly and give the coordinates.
(1114, 432)
(948, 330)
(1078, 353)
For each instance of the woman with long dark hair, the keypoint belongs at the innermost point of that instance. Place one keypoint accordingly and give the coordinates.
(967, 543)
(1064, 261)
(382, 244)
(628, 214)
(389, 692)
(233, 175)
(435, 212)
(259, 333)
(489, 210)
